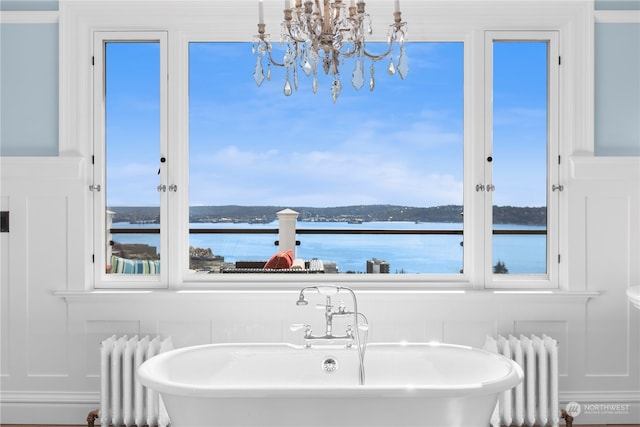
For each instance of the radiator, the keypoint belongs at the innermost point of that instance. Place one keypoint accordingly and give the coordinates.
(535, 400)
(123, 400)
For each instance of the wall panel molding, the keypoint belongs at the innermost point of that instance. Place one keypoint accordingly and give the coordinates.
(42, 170)
(617, 16)
(29, 17)
(592, 168)
(48, 221)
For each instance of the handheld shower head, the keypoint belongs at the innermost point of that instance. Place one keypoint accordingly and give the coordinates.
(301, 300)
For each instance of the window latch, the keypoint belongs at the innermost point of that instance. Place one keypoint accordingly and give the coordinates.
(94, 187)
(488, 187)
(557, 187)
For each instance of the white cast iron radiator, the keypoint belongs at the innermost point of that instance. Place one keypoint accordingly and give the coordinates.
(535, 400)
(123, 400)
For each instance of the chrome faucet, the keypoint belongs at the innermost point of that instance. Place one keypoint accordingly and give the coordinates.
(353, 331)
(360, 323)
(329, 314)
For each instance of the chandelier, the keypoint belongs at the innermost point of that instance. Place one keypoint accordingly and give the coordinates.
(326, 35)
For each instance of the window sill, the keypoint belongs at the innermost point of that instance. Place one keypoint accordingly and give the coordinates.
(529, 296)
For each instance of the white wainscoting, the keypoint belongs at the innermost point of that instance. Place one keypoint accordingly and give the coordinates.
(51, 326)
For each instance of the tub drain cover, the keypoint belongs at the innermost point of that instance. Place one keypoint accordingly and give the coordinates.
(329, 365)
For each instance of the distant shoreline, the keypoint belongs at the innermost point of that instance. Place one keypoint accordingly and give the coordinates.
(357, 214)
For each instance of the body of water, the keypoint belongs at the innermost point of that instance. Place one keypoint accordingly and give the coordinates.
(410, 254)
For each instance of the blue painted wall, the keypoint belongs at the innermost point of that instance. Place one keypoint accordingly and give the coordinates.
(617, 4)
(617, 90)
(29, 95)
(28, 5)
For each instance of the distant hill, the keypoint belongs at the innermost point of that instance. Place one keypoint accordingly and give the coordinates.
(355, 214)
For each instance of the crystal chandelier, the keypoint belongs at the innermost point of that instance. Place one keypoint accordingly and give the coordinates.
(326, 35)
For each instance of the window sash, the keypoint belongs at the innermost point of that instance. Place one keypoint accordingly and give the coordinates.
(100, 233)
(550, 278)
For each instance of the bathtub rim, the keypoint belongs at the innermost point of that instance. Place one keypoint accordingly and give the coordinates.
(145, 374)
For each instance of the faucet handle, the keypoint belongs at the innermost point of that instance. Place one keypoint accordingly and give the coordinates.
(299, 326)
(342, 309)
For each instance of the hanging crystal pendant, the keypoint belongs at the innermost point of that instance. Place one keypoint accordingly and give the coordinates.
(335, 90)
(403, 64)
(358, 76)
(391, 69)
(288, 90)
(372, 81)
(258, 73)
(289, 58)
(314, 84)
(269, 71)
(307, 68)
(295, 78)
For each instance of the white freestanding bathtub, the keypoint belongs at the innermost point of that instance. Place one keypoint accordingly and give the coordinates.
(281, 385)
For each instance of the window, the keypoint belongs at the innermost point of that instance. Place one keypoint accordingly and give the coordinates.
(445, 179)
(131, 139)
(520, 151)
(388, 161)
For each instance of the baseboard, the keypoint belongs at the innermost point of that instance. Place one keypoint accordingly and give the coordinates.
(20, 407)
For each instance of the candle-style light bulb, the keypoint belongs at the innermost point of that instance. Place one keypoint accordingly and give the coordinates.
(396, 4)
(260, 11)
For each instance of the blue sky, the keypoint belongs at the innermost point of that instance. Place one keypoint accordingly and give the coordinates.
(400, 144)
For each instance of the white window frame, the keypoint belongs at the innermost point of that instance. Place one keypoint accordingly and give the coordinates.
(100, 236)
(429, 21)
(550, 278)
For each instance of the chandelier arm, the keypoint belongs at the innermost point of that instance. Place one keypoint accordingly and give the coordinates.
(379, 56)
(383, 55)
(271, 60)
(350, 54)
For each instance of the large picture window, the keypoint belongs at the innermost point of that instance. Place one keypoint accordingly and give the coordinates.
(389, 160)
(402, 186)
